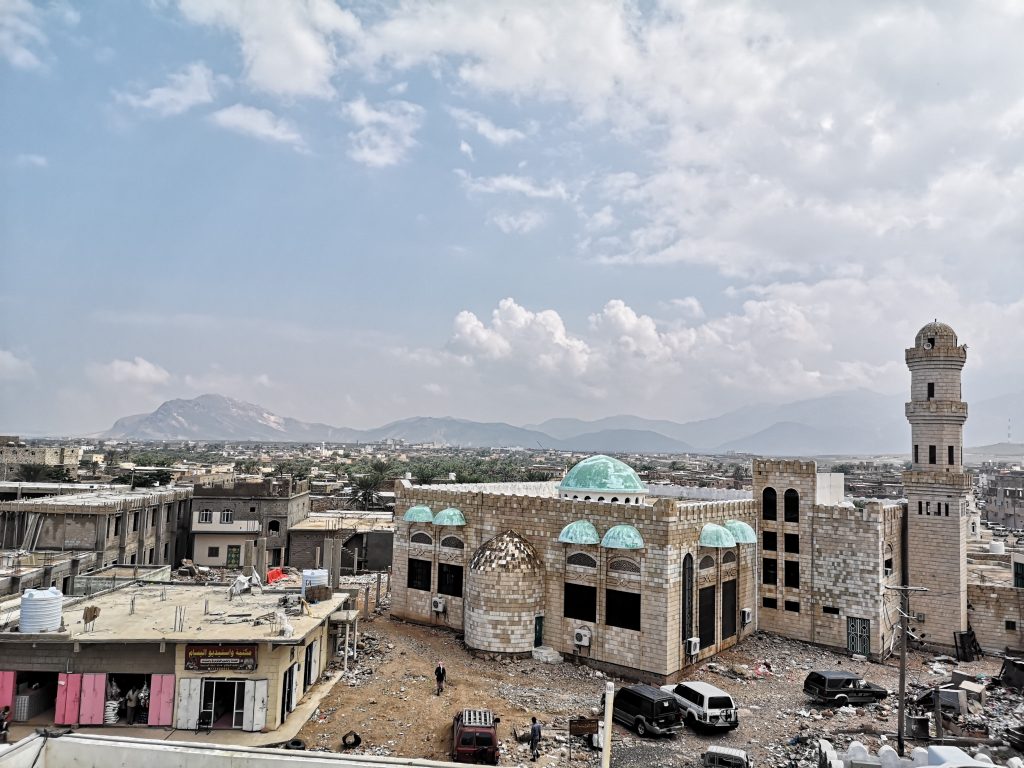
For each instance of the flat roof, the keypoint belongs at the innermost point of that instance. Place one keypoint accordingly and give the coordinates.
(342, 520)
(112, 499)
(140, 613)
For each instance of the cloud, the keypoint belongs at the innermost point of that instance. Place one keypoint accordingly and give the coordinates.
(288, 49)
(14, 368)
(191, 87)
(260, 124)
(510, 184)
(517, 223)
(385, 132)
(466, 149)
(688, 306)
(138, 371)
(469, 120)
(31, 161)
(22, 36)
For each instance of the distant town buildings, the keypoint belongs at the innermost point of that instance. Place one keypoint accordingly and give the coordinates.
(46, 462)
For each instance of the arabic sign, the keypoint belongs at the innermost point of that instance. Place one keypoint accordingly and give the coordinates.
(583, 726)
(240, 657)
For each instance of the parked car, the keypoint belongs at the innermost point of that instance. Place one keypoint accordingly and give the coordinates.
(725, 757)
(705, 704)
(647, 710)
(840, 688)
(475, 737)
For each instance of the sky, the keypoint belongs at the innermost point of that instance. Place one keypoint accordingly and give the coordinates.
(502, 211)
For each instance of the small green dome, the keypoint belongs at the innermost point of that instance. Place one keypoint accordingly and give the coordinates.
(622, 537)
(418, 514)
(602, 473)
(580, 532)
(742, 532)
(450, 516)
(712, 535)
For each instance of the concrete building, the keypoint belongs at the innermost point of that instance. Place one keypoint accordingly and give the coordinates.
(14, 455)
(205, 658)
(145, 526)
(366, 540)
(14, 490)
(226, 515)
(20, 570)
(1006, 502)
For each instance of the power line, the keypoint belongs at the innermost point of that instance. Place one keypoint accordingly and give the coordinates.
(904, 634)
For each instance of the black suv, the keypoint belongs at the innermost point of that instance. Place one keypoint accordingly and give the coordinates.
(647, 709)
(842, 688)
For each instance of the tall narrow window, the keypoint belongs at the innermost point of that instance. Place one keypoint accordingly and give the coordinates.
(916, 455)
(791, 576)
(791, 506)
(769, 504)
(769, 571)
(931, 390)
(687, 596)
(952, 455)
(931, 454)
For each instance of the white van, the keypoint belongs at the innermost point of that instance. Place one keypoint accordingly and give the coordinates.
(704, 704)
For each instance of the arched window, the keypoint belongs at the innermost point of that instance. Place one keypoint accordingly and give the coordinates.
(575, 497)
(581, 559)
(769, 504)
(615, 499)
(452, 542)
(421, 538)
(586, 498)
(274, 526)
(627, 499)
(707, 562)
(600, 498)
(687, 596)
(729, 557)
(791, 506)
(624, 565)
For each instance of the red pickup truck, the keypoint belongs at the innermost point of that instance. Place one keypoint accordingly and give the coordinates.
(475, 737)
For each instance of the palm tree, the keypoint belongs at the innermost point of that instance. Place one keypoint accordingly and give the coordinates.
(363, 494)
(33, 473)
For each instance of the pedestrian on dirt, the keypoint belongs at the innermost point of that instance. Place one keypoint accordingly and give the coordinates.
(440, 675)
(5, 715)
(534, 739)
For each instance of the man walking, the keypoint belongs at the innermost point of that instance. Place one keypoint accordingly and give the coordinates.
(439, 675)
(5, 715)
(534, 739)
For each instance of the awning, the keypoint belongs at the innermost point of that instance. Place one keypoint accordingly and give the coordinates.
(579, 532)
(418, 514)
(712, 535)
(450, 516)
(742, 532)
(622, 537)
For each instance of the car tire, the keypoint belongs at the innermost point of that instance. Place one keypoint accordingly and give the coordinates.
(641, 727)
(691, 721)
(842, 701)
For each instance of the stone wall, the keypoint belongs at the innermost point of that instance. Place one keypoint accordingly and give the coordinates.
(670, 530)
(996, 615)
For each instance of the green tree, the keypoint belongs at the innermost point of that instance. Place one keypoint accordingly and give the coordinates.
(33, 473)
(363, 494)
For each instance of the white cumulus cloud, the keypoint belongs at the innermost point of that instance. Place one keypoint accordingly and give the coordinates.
(260, 124)
(517, 223)
(137, 371)
(14, 368)
(470, 120)
(193, 86)
(385, 132)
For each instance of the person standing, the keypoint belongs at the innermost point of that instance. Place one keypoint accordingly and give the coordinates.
(5, 715)
(440, 674)
(534, 739)
(131, 701)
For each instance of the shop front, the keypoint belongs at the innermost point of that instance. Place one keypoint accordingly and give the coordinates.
(226, 691)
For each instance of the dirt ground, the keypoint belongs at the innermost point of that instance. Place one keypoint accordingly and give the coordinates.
(388, 699)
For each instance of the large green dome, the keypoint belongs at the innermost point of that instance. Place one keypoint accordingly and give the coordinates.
(602, 473)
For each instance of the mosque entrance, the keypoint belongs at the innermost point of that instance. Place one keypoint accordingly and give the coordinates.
(728, 608)
(706, 616)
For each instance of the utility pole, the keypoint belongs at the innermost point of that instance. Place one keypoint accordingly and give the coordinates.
(901, 715)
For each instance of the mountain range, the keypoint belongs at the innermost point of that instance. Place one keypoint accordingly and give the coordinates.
(855, 422)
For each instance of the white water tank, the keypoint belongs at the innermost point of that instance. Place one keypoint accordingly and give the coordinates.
(313, 578)
(996, 548)
(40, 610)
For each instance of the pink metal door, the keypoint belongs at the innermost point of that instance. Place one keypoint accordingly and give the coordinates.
(8, 682)
(161, 699)
(69, 694)
(94, 691)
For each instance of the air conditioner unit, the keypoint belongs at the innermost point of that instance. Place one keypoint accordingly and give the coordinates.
(692, 646)
(437, 604)
(888, 571)
(746, 616)
(581, 636)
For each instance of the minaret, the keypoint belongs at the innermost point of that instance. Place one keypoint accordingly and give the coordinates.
(936, 485)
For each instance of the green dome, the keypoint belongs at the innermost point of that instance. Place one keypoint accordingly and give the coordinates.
(450, 516)
(622, 537)
(418, 514)
(742, 532)
(712, 535)
(580, 532)
(602, 473)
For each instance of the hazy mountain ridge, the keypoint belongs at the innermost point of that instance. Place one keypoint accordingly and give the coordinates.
(854, 422)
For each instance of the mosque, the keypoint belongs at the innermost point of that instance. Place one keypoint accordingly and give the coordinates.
(602, 569)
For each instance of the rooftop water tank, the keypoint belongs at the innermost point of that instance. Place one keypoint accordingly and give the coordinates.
(996, 548)
(40, 610)
(313, 578)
